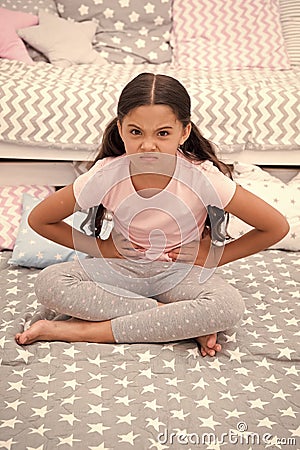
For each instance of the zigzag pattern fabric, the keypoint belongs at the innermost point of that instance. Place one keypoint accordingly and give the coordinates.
(45, 105)
(228, 34)
(11, 209)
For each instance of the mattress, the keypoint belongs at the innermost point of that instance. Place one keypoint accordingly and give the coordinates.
(68, 108)
(158, 396)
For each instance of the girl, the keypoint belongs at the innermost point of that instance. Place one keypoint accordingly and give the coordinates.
(152, 280)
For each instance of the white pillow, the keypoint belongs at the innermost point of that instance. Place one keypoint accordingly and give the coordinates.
(282, 196)
(62, 41)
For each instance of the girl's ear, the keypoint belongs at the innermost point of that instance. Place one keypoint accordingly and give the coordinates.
(186, 132)
(119, 129)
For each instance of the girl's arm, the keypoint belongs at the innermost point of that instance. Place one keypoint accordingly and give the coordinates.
(270, 226)
(47, 220)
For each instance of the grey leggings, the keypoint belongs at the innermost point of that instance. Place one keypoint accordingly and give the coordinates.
(127, 293)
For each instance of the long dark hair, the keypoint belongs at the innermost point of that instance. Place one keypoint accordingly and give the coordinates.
(152, 89)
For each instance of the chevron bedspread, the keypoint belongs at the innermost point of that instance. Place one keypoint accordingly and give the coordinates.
(84, 396)
(45, 105)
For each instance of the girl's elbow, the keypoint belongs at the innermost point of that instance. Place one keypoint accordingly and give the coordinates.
(283, 228)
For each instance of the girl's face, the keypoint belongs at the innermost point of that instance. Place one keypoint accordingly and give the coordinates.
(152, 129)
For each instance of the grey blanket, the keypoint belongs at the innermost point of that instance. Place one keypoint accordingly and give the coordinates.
(84, 396)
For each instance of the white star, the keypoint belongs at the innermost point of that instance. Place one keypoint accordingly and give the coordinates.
(176, 396)
(97, 428)
(272, 379)
(230, 338)
(119, 26)
(149, 8)
(41, 430)
(71, 383)
(222, 380)
(144, 32)
(18, 385)
(286, 352)
(124, 382)
(264, 363)
(98, 360)
(200, 383)
(203, 402)
(258, 403)
(68, 440)
(194, 352)
(146, 356)
(179, 414)
(70, 351)
(157, 445)
(10, 422)
(124, 3)
(296, 432)
(97, 409)
(108, 13)
(234, 413)
(209, 423)
(250, 387)
(140, 43)
(227, 395)
(70, 418)
(266, 422)
(152, 55)
(173, 381)
(69, 400)
(149, 388)
(215, 364)
(281, 394)
(7, 444)
(126, 419)
(41, 412)
(14, 404)
(83, 10)
(155, 423)
(134, 17)
(152, 405)
(125, 400)
(242, 371)
(291, 370)
(279, 340)
(130, 437)
(98, 390)
(14, 290)
(288, 412)
(236, 354)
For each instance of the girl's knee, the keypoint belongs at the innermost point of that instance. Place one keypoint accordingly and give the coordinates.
(51, 279)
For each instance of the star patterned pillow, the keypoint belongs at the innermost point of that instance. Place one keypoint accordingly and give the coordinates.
(282, 196)
(33, 250)
(62, 41)
(129, 31)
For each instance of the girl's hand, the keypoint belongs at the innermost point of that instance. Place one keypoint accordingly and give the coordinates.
(117, 246)
(195, 252)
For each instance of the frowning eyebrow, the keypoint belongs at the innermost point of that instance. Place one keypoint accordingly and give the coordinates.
(167, 127)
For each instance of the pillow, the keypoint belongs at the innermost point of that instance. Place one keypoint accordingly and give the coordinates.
(228, 34)
(62, 41)
(11, 46)
(33, 250)
(290, 22)
(283, 196)
(129, 31)
(11, 210)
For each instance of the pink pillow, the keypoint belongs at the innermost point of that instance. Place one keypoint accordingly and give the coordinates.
(228, 34)
(11, 210)
(11, 45)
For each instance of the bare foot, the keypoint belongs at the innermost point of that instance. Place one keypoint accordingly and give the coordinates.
(208, 344)
(72, 330)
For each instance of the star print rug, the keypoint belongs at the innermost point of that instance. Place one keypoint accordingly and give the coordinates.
(57, 395)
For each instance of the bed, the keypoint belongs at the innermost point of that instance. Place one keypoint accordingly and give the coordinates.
(57, 395)
(144, 396)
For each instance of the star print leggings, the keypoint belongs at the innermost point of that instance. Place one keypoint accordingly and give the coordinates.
(197, 301)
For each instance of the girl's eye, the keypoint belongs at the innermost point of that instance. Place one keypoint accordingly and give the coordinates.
(163, 133)
(135, 132)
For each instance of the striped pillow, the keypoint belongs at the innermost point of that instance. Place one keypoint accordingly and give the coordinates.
(228, 34)
(290, 23)
(11, 210)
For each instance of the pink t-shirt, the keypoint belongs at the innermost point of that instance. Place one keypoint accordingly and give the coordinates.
(173, 217)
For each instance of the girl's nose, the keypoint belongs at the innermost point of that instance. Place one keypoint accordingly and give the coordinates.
(148, 145)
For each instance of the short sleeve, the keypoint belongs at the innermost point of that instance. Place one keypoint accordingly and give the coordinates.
(219, 188)
(86, 187)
